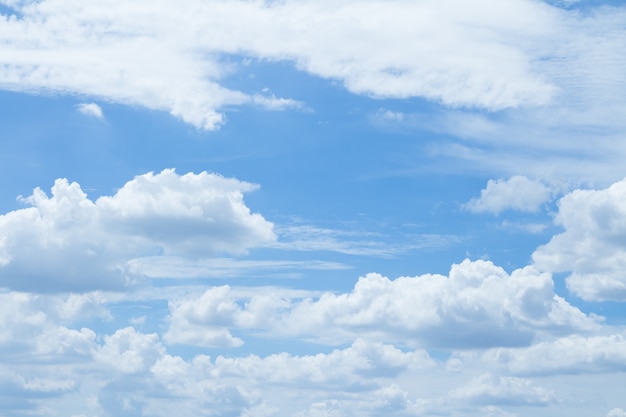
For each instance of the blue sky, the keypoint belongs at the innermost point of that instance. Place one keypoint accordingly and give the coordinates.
(312, 208)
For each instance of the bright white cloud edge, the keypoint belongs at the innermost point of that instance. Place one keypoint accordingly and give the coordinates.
(87, 50)
(67, 242)
(91, 109)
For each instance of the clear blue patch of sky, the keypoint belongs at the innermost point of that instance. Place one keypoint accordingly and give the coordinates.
(9, 11)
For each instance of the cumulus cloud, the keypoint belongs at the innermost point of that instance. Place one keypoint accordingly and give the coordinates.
(568, 355)
(489, 389)
(68, 242)
(205, 321)
(477, 305)
(342, 369)
(132, 372)
(30, 329)
(591, 246)
(91, 109)
(517, 193)
(130, 352)
(445, 51)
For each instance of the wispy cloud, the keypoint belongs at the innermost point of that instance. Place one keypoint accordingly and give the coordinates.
(353, 242)
(88, 50)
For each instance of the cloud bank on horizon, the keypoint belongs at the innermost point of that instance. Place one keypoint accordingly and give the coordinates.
(433, 221)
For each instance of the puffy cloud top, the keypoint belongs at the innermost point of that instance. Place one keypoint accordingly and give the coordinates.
(592, 245)
(69, 242)
(479, 305)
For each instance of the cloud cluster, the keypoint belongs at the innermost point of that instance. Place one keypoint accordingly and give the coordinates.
(68, 242)
(567, 355)
(592, 244)
(477, 305)
(446, 51)
(491, 389)
(131, 372)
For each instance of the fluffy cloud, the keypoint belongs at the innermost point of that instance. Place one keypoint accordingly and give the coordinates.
(592, 245)
(141, 374)
(516, 193)
(489, 389)
(129, 372)
(69, 242)
(478, 305)
(445, 51)
(129, 351)
(91, 109)
(341, 369)
(204, 321)
(389, 400)
(572, 354)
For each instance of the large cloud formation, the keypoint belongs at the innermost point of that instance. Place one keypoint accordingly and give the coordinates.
(68, 242)
(478, 305)
(446, 51)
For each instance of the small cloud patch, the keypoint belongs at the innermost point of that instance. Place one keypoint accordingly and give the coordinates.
(91, 109)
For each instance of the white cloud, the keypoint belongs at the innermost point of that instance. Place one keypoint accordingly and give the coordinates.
(354, 242)
(132, 373)
(517, 193)
(343, 369)
(205, 321)
(91, 109)
(445, 51)
(616, 412)
(568, 355)
(69, 242)
(478, 305)
(489, 389)
(523, 227)
(30, 329)
(130, 352)
(591, 247)
(176, 267)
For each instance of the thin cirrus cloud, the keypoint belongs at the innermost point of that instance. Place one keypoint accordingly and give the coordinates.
(477, 306)
(86, 49)
(67, 242)
(354, 242)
